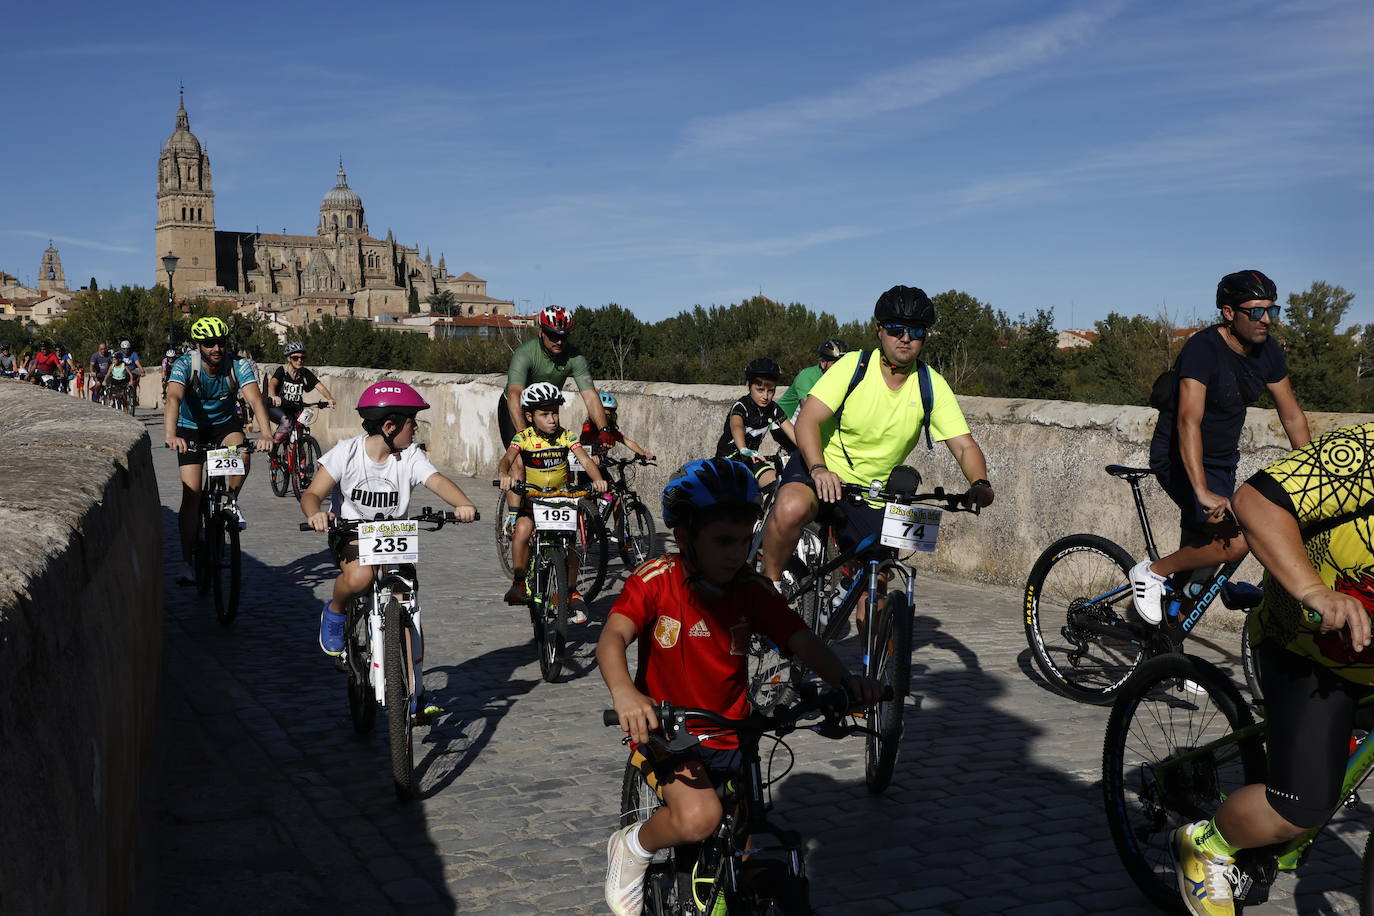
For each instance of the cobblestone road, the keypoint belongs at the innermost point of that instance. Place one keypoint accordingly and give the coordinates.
(266, 802)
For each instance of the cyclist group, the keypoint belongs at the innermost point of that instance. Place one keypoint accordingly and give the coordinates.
(691, 613)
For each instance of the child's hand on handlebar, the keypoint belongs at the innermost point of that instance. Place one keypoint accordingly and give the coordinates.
(599, 486)
(636, 712)
(506, 481)
(863, 691)
(320, 521)
(465, 513)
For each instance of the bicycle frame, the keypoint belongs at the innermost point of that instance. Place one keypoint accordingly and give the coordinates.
(401, 582)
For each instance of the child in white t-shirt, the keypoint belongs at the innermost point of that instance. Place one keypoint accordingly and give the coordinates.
(370, 477)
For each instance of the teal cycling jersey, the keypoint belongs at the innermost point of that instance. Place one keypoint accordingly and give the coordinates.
(211, 400)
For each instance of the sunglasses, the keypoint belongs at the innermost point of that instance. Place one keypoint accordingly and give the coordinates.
(1256, 313)
(296, 356)
(212, 344)
(898, 331)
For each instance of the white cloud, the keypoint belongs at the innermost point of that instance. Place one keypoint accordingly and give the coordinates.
(70, 240)
(898, 89)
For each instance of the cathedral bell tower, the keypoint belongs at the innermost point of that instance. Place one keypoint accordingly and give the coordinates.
(185, 210)
(50, 276)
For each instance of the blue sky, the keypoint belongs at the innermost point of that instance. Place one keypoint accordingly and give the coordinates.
(1085, 157)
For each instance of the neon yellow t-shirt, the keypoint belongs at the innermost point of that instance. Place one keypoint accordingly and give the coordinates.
(1325, 481)
(879, 426)
(546, 460)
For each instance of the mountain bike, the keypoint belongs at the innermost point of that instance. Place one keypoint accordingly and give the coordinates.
(218, 561)
(748, 865)
(117, 396)
(1180, 739)
(624, 515)
(558, 524)
(292, 460)
(1080, 622)
(828, 594)
(592, 549)
(383, 639)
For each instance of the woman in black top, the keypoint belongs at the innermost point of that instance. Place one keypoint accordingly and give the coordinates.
(287, 387)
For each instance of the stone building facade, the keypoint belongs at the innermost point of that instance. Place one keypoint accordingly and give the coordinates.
(341, 270)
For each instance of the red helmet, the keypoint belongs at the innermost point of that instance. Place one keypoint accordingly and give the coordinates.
(556, 320)
(388, 397)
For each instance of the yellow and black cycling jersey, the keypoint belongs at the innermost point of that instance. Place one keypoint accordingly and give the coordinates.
(546, 459)
(1325, 485)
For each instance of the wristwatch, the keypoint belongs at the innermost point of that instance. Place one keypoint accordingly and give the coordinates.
(981, 483)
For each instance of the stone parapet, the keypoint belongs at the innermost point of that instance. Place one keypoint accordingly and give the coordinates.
(80, 642)
(1045, 458)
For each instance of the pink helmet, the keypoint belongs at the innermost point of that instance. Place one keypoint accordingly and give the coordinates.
(387, 397)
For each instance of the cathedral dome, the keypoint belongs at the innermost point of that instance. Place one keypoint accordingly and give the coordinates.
(341, 195)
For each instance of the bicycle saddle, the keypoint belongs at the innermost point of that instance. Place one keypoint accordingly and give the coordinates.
(1125, 473)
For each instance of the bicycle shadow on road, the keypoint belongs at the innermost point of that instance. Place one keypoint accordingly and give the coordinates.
(481, 691)
(975, 812)
(266, 799)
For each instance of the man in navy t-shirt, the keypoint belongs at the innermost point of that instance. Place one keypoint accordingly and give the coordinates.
(1222, 370)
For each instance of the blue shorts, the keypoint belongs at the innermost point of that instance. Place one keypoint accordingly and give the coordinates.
(1174, 479)
(851, 520)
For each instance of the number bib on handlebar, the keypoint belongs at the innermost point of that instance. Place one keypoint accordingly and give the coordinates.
(306, 417)
(555, 514)
(911, 527)
(388, 542)
(224, 462)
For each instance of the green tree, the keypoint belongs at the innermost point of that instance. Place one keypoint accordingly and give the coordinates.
(963, 344)
(443, 301)
(611, 337)
(135, 313)
(413, 301)
(1123, 363)
(1321, 361)
(1034, 368)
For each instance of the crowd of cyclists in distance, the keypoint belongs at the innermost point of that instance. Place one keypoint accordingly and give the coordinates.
(849, 420)
(110, 375)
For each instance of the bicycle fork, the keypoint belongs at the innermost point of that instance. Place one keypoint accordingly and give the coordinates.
(873, 652)
(376, 631)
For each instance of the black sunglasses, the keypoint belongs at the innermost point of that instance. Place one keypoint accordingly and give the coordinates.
(898, 331)
(1257, 312)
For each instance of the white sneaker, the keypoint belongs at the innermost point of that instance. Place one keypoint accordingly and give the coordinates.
(624, 876)
(1147, 591)
(234, 510)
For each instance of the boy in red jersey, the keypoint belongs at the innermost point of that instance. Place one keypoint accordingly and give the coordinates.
(692, 614)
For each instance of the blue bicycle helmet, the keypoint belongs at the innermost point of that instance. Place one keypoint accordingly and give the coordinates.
(707, 483)
(608, 400)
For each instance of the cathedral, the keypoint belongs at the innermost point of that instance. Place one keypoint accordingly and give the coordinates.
(341, 270)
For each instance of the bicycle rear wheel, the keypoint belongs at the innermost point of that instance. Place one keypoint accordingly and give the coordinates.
(636, 533)
(504, 528)
(307, 454)
(553, 617)
(1160, 768)
(892, 669)
(399, 714)
(277, 469)
(638, 802)
(1085, 638)
(362, 700)
(593, 550)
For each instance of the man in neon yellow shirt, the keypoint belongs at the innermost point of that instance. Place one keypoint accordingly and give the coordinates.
(879, 425)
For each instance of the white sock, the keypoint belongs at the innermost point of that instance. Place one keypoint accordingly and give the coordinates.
(632, 841)
(777, 584)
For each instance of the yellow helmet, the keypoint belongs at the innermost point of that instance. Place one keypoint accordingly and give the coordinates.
(209, 328)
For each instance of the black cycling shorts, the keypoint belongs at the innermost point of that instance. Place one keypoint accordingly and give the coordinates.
(212, 436)
(852, 520)
(658, 764)
(1311, 713)
(1174, 479)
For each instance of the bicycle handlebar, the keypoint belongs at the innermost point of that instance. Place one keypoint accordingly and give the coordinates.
(437, 519)
(953, 502)
(608, 461)
(537, 493)
(197, 447)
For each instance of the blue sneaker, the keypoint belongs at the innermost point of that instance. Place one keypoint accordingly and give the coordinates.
(331, 632)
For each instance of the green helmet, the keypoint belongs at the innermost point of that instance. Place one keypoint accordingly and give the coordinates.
(209, 328)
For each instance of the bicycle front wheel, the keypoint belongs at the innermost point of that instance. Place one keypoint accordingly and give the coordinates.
(1171, 757)
(505, 526)
(638, 802)
(593, 550)
(637, 533)
(892, 669)
(307, 454)
(399, 714)
(1083, 636)
(553, 617)
(277, 469)
(227, 572)
(362, 700)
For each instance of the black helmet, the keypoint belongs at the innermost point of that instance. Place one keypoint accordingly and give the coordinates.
(907, 304)
(763, 367)
(1244, 286)
(708, 483)
(832, 349)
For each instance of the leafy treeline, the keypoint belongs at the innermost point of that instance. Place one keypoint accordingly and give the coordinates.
(980, 350)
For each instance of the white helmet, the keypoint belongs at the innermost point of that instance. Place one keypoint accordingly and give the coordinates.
(541, 396)
(123, 345)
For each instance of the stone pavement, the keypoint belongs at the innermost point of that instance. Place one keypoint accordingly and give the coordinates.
(266, 802)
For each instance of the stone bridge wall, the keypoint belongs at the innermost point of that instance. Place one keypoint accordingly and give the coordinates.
(1045, 458)
(80, 640)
